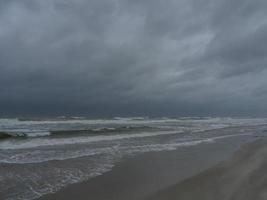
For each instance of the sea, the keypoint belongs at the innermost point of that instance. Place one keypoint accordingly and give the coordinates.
(39, 156)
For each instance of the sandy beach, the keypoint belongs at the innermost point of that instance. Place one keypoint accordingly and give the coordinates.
(243, 177)
(154, 175)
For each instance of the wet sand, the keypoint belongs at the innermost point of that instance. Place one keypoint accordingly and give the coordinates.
(243, 177)
(145, 175)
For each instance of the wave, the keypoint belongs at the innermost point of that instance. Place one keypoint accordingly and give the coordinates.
(38, 142)
(5, 135)
(36, 156)
(74, 132)
(102, 130)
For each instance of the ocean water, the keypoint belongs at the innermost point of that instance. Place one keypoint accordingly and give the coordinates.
(40, 156)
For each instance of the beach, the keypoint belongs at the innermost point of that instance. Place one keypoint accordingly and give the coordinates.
(114, 159)
(243, 177)
(151, 175)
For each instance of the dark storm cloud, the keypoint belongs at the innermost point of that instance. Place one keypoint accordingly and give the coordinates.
(201, 57)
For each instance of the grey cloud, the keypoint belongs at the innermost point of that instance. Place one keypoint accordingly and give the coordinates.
(186, 57)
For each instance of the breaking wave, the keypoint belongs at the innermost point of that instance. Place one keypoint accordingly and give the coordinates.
(75, 132)
(4, 135)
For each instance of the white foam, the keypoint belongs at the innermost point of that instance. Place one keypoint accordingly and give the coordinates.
(37, 156)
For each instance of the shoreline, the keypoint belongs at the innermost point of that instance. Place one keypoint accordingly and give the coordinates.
(141, 176)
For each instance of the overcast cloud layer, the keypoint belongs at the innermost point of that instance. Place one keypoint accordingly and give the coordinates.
(133, 57)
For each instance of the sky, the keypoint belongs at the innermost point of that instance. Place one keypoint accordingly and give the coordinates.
(133, 57)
